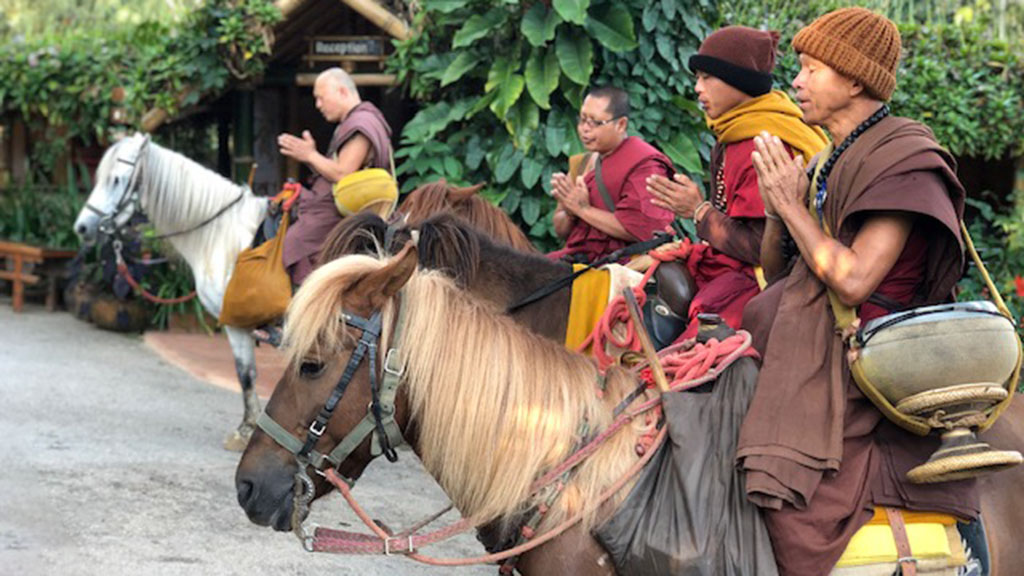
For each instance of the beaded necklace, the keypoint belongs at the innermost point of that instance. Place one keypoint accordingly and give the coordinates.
(826, 169)
(719, 201)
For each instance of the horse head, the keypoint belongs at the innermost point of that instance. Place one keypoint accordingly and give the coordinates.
(335, 406)
(114, 199)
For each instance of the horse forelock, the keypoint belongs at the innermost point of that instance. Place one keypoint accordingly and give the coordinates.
(312, 325)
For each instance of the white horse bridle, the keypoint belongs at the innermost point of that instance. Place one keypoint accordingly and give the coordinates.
(128, 201)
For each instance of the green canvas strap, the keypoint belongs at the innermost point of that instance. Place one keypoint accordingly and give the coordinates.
(605, 196)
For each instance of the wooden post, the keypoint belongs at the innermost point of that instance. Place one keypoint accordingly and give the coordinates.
(650, 354)
(380, 17)
(243, 134)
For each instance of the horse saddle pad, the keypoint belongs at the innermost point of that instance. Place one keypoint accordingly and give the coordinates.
(934, 541)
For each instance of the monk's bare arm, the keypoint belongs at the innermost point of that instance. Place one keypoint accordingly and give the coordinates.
(773, 261)
(351, 157)
(853, 272)
(563, 221)
(605, 222)
(739, 238)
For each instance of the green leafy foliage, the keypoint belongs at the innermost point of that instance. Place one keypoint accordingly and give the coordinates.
(64, 83)
(500, 85)
(956, 75)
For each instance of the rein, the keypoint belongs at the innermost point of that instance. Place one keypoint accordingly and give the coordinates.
(625, 252)
(122, 269)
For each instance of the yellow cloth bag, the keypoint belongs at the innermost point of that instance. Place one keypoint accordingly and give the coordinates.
(586, 305)
(260, 289)
(373, 188)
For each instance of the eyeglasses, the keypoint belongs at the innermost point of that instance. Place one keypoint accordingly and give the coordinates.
(591, 123)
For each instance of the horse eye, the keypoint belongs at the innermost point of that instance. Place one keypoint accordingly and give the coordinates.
(311, 369)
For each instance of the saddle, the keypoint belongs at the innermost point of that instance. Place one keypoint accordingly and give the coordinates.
(667, 309)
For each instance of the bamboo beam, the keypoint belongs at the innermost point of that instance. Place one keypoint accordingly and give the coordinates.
(359, 79)
(380, 17)
(288, 6)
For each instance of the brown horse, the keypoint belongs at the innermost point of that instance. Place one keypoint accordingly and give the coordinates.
(529, 398)
(492, 271)
(437, 197)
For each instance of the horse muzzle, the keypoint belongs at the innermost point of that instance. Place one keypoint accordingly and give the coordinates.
(266, 495)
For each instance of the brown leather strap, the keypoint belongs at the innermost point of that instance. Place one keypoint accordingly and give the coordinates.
(908, 564)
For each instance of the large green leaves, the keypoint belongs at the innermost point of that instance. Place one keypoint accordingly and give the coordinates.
(542, 73)
(463, 63)
(574, 11)
(682, 149)
(506, 84)
(539, 23)
(575, 55)
(476, 27)
(613, 29)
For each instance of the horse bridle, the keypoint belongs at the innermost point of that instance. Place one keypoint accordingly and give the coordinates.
(108, 223)
(379, 423)
(112, 223)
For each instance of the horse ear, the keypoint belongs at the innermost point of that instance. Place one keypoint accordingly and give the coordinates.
(387, 281)
(459, 194)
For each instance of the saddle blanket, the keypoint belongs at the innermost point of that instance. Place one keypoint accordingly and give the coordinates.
(934, 541)
(592, 291)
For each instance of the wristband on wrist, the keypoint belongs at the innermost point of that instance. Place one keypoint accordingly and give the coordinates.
(696, 211)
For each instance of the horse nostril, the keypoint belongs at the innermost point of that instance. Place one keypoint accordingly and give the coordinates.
(245, 490)
(81, 229)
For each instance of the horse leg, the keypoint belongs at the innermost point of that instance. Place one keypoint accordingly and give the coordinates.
(243, 349)
(572, 553)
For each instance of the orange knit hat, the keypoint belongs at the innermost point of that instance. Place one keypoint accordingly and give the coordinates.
(858, 44)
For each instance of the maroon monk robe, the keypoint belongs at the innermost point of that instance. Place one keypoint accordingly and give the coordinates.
(723, 266)
(818, 455)
(317, 214)
(624, 171)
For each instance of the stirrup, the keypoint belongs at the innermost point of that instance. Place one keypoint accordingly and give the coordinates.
(268, 334)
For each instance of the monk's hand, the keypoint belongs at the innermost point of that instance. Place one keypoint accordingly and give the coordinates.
(574, 196)
(302, 149)
(781, 179)
(680, 194)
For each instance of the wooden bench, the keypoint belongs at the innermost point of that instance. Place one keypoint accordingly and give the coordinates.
(48, 262)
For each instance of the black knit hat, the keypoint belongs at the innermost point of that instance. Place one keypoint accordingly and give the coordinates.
(739, 56)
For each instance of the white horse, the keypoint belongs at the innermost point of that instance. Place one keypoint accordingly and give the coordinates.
(207, 218)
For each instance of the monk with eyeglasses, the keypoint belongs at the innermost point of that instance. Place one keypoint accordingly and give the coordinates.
(603, 203)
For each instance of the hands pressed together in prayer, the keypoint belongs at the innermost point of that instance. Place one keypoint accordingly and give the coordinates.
(301, 149)
(680, 194)
(572, 196)
(781, 178)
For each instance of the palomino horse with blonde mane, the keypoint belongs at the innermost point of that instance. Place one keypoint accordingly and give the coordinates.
(488, 407)
(206, 218)
(530, 399)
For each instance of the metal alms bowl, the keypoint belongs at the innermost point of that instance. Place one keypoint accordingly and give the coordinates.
(942, 368)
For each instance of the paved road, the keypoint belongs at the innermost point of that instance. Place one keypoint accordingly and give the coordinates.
(111, 463)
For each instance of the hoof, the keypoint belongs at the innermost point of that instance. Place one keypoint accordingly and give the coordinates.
(236, 441)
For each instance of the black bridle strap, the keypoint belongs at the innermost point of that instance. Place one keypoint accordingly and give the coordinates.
(367, 341)
(204, 222)
(625, 252)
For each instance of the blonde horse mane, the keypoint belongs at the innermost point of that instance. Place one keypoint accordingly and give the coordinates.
(496, 405)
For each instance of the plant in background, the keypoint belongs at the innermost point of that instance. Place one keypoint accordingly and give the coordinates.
(62, 82)
(42, 215)
(956, 75)
(501, 84)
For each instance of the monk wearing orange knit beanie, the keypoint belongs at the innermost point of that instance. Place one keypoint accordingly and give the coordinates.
(870, 228)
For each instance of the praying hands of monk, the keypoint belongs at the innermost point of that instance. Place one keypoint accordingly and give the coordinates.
(302, 149)
(573, 196)
(781, 178)
(680, 195)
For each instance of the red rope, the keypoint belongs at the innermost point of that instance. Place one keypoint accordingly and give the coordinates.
(617, 314)
(122, 269)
